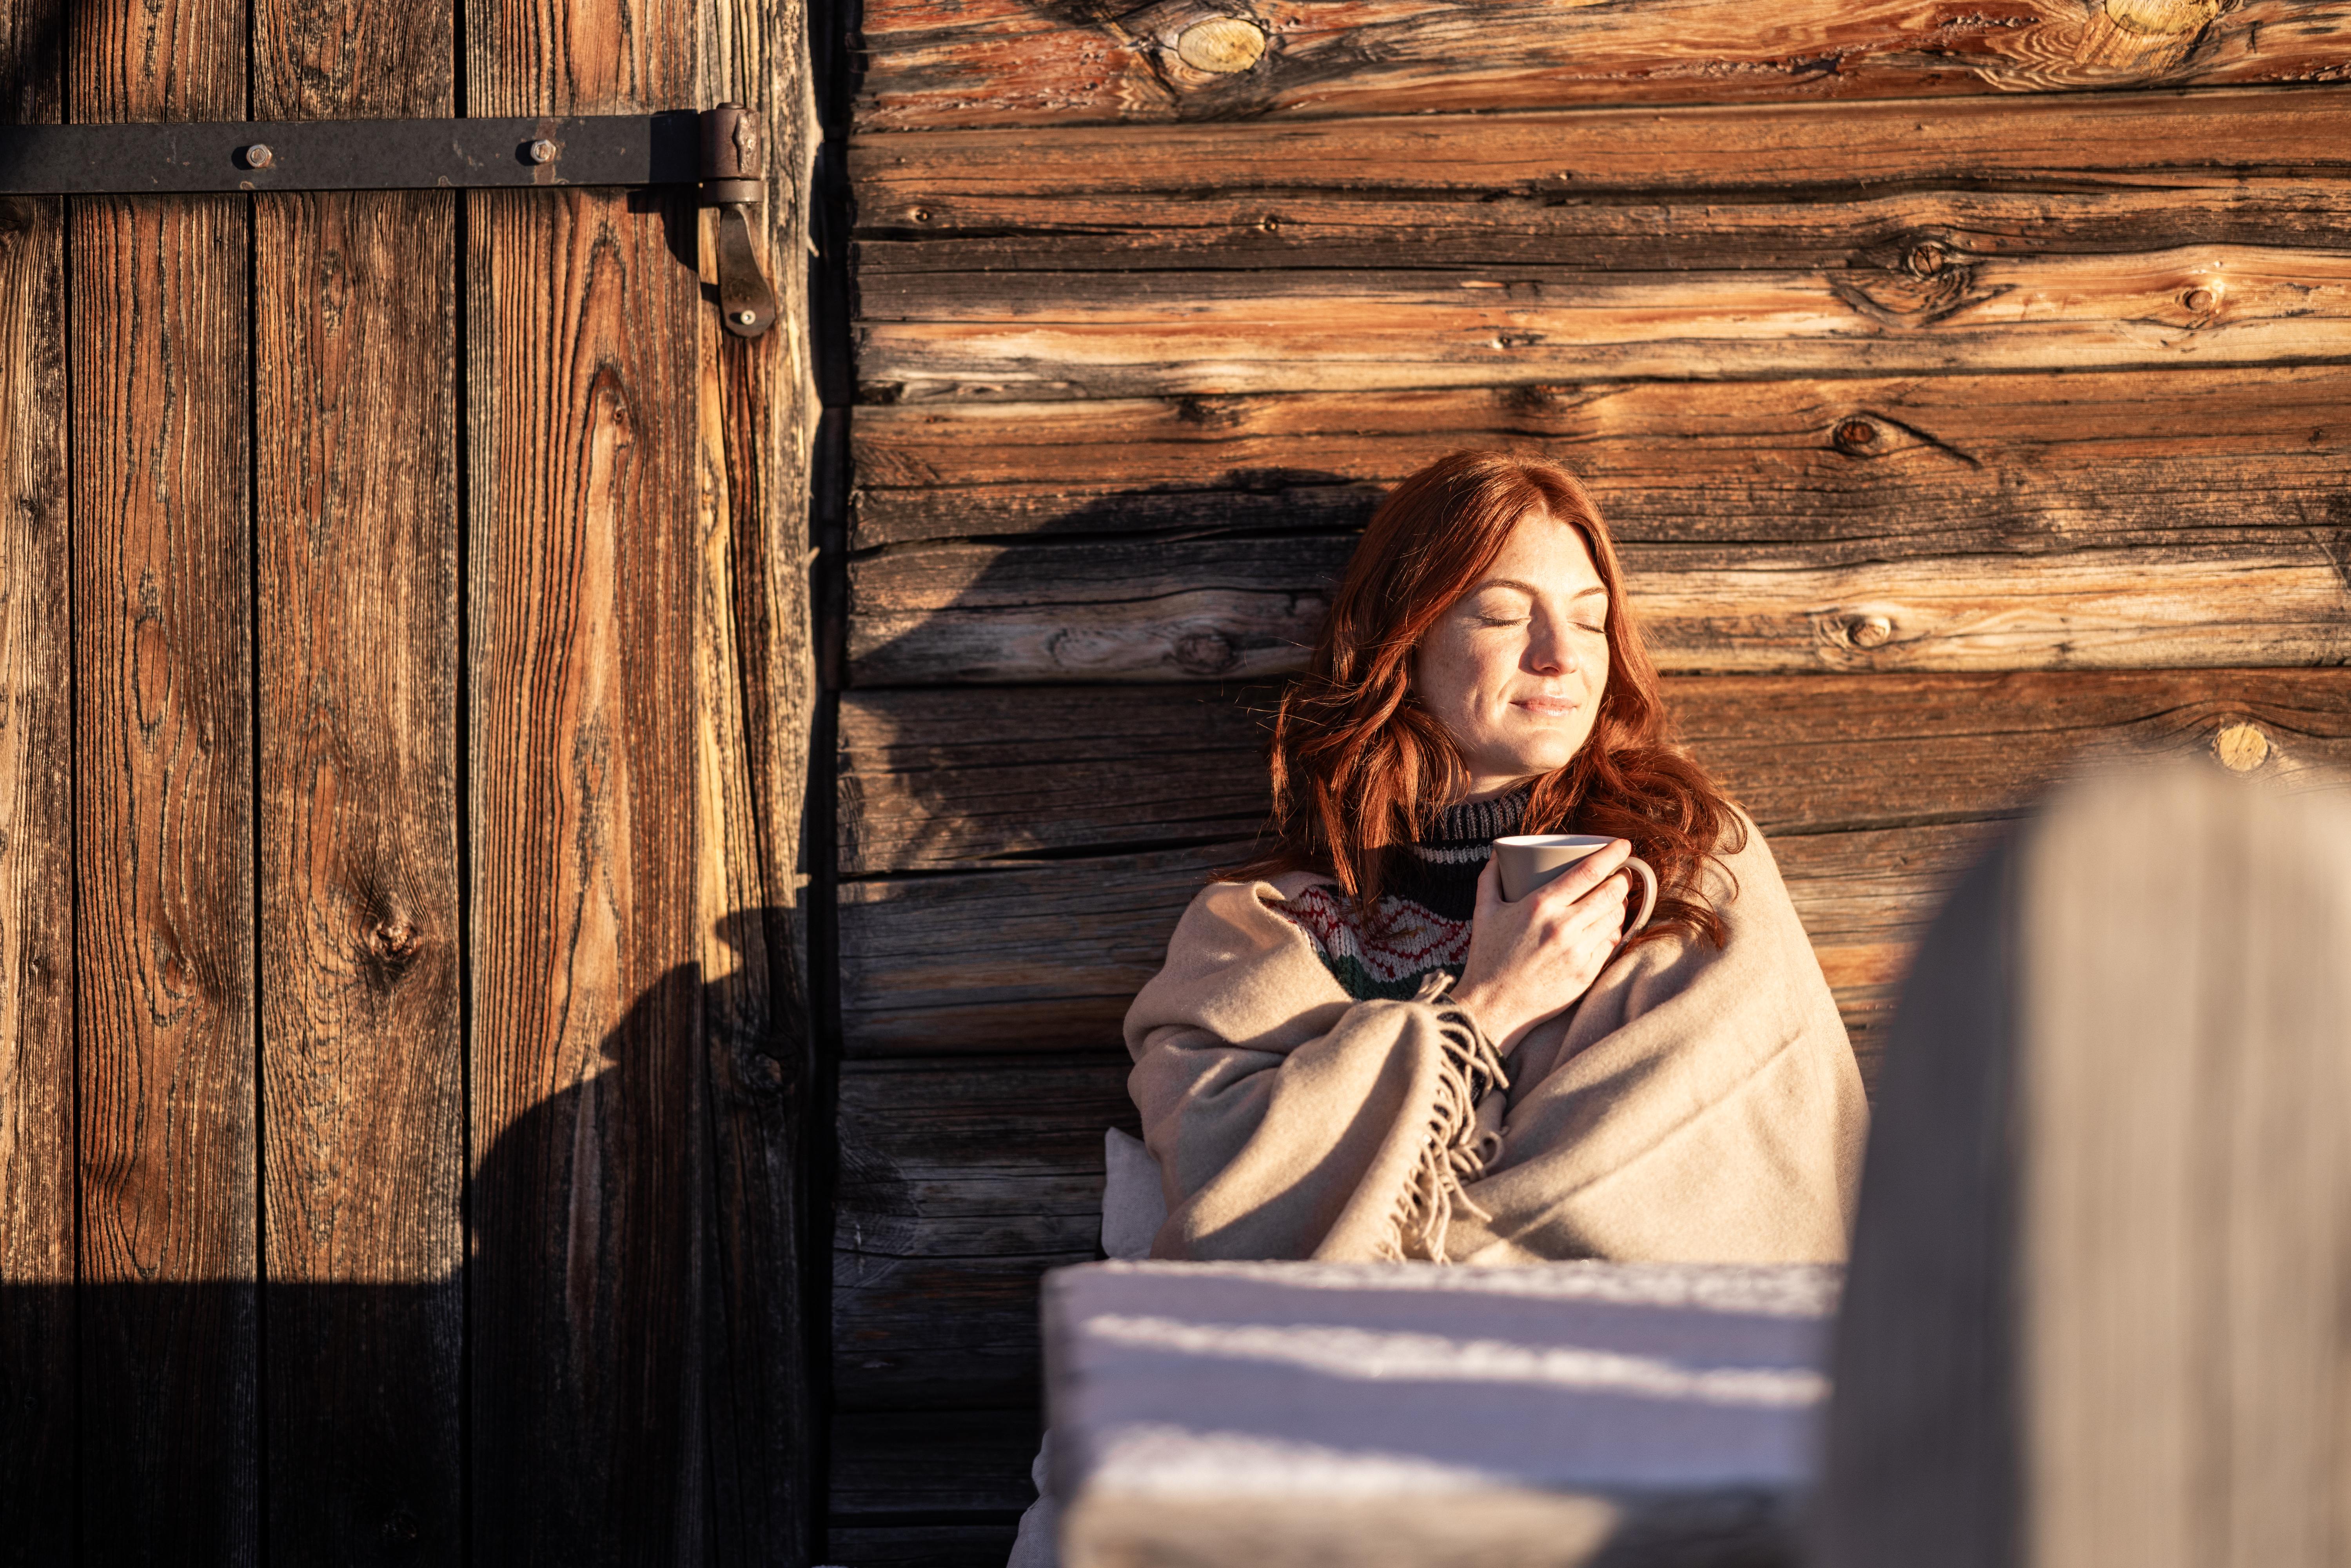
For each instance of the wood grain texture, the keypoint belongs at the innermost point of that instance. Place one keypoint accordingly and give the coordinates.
(2273, 149)
(933, 780)
(362, 1055)
(1966, 463)
(163, 702)
(586, 1281)
(1048, 958)
(964, 1179)
(36, 859)
(1154, 609)
(921, 1545)
(754, 703)
(888, 1464)
(965, 63)
(2097, 1278)
(1027, 336)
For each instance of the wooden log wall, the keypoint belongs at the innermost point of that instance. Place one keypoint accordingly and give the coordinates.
(1968, 387)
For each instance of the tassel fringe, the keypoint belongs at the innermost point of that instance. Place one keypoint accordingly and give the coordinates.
(1455, 1153)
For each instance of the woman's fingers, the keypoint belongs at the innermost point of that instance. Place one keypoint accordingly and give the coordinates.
(1490, 884)
(1590, 873)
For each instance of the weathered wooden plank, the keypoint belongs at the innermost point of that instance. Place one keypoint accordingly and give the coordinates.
(962, 1181)
(163, 702)
(930, 779)
(362, 1062)
(886, 1464)
(1039, 960)
(754, 692)
(1149, 609)
(1973, 463)
(952, 779)
(1193, 177)
(1031, 336)
(36, 858)
(361, 1056)
(1048, 959)
(921, 1545)
(164, 919)
(1320, 218)
(962, 63)
(589, 1207)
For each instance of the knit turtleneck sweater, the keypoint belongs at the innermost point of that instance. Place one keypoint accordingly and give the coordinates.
(1422, 922)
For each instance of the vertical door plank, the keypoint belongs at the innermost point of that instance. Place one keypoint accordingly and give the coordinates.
(363, 1064)
(755, 689)
(588, 1118)
(163, 716)
(37, 1111)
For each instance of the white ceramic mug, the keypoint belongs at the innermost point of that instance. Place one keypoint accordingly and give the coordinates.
(1530, 860)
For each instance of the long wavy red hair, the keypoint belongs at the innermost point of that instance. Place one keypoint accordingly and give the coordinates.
(1359, 766)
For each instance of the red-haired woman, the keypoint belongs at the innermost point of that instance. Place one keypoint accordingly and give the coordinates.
(1358, 1048)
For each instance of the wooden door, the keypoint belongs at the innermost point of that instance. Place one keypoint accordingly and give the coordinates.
(402, 687)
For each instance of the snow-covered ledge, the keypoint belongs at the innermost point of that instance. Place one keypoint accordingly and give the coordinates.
(1249, 1413)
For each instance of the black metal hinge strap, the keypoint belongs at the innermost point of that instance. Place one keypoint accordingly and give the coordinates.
(723, 151)
(350, 154)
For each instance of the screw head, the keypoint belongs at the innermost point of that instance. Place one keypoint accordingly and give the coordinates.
(542, 150)
(259, 156)
(744, 317)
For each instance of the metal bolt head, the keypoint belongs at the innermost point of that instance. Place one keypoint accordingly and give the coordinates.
(259, 156)
(744, 317)
(542, 150)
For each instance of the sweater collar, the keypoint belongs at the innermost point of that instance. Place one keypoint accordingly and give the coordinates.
(1479, 822)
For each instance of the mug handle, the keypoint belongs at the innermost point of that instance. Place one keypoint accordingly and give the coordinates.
(1648, 892)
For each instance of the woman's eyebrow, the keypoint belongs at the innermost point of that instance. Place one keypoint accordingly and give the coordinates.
(1531, 591)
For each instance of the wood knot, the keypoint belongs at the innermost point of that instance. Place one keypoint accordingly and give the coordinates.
(2199, 300)
(1869, 631)
(392, 941)
(2241, 746)
(1205, 652)
(1923, 260)
(401, 1528)
(1222, 45)
(1857, 436)
(764, 1074)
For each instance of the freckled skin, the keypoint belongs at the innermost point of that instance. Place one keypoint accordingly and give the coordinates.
(1514, 670)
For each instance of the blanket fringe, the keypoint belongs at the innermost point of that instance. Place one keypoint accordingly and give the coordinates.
(1454, 1153)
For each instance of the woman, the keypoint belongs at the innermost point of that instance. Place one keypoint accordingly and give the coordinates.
(1358, 1049)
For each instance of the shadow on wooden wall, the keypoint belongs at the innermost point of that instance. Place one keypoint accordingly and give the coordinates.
(408, 1420)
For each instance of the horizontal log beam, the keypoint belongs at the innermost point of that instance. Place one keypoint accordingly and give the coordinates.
(960, 63)
(1964, 462)
(932, 780)
(930, 184)
(961, 1182)
(1244, 606)
(1034, 336)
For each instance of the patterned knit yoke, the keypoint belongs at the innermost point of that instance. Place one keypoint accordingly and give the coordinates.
(1422, 924)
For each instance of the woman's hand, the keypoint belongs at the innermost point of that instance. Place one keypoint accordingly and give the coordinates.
(1532, 959)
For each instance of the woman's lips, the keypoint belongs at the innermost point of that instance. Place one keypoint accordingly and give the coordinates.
(1549, 707)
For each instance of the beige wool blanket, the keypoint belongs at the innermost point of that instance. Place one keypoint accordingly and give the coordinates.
(1697, 1104)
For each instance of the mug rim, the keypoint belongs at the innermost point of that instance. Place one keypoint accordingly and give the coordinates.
(1555, 840)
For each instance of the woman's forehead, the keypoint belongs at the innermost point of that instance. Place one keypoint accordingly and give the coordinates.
(1544, 556)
